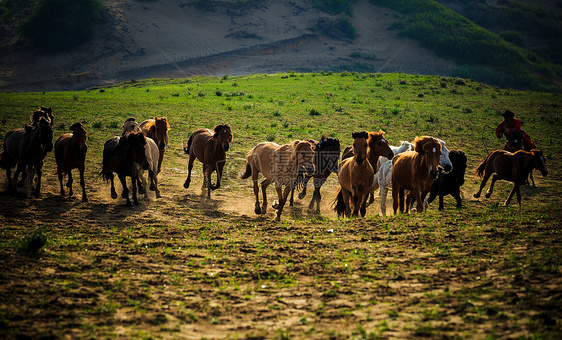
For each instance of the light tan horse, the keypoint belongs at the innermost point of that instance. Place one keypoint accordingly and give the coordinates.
(157, 129)
(512, 167)
(279, 164)
(356, 177)
(415, 171)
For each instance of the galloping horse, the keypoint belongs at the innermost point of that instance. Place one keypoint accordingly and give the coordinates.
(279, 164)
(70, 153)
(152, 155)
(512, 167)
(209, 147)
(27, 147)
(326, 158)
(356, 177)
(120, 155)
(450, 183)
(415, 171)
(157, 129)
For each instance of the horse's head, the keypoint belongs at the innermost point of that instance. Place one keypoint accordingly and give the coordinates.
(328, 151)
(224, 135)
(378, 145)
(539, 162)
(444, 160)
(430, 149)
(130, 125)
(135, 142)
(49, 112)
(45, 134)
(79, 136)
(360, 146)
(459, 161)
(37, 115)
(160, 132)
(304, 156)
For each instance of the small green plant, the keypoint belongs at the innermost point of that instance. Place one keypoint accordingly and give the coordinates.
(33, 243)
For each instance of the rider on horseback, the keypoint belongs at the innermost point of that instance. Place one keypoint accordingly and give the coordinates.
(516, 138)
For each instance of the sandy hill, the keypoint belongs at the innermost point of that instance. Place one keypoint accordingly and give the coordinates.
(172, 38)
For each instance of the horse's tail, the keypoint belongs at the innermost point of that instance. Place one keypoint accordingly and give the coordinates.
(248, 171)
(186, 149)
(338, 205)
(480, 170)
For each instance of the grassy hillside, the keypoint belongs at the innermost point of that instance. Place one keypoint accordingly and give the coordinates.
(186, 267)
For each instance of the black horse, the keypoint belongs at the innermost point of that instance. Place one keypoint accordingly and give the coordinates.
(450, 183)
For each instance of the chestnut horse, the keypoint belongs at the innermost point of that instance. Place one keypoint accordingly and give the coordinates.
(356, 177)
(279, 164)
(512, 167)
(326, 159)
(209, 147)
(70, 153)
(415, 171)
(157, 129)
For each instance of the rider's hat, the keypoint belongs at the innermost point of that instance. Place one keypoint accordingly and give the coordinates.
(508, 113)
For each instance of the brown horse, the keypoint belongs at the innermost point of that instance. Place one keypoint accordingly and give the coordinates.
(279, 164)
(157, 129)
(70, 153)
(209, 147)
(27, 147)
(512, 167)
(356, 176)
(326, 158)
(415, 171)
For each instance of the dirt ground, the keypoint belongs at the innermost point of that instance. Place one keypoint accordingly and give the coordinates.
(190, 268)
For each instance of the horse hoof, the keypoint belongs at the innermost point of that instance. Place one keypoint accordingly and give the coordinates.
(158, 195)
(275, 205)
(84, 199)
(477, 195)
(114, 195)
(152, 187)
(257, 211)
(302, 195)
(488, 195)
(186, 184)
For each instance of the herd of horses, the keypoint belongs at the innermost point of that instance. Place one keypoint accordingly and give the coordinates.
(416, 172)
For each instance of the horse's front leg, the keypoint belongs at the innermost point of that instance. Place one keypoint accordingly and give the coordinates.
(346, 199)
(282, 195)
(69, 184)
(39, 171)
(112, 180)
(302, 194)
(11, 187)
(515, 190)
(383, 194)
(135, 200)
(125, 192)
(83, 184)
(363, 209)
(316, 197)
(257, 208)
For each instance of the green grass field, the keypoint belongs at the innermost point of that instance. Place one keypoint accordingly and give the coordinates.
(190, 268)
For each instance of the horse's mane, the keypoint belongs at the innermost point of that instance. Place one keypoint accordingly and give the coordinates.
(220, 127)
(152, 123)
(361, 134)
(420, 143)
(373, 136)
(326, 142)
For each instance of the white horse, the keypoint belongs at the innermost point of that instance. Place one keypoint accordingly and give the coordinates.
(383, 177)
(152, 154)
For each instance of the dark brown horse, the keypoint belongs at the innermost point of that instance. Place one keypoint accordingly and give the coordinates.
(70, 153)
(157, 129)
(512, 167)
(415, 171)
(356, 176)
(120, 155)
(450, 183)
(326, 159)
(45, 112)
(209, 147)
(26, 148)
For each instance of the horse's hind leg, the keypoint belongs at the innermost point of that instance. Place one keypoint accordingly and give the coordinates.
(490, 191)
(515, 190)
(135, 200)
(483, 184)
(111, 180)
(316, 197)
(264, 186)
(11, 187)
(125, 192)
(83, 184)
(189, 168)
(39, 171)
